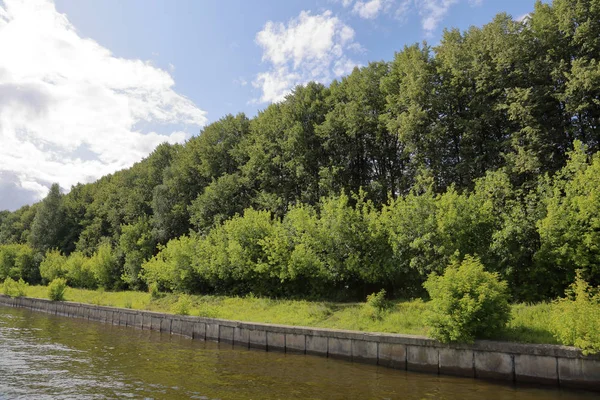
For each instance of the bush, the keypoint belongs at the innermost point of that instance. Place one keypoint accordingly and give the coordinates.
(56, 289)
(183, 305)
(466, 303)
(104, 267)
(13, 288)
(79, 271)
(575, 318)
(53, 266)
(171, 269)
(153, 290)
(18, 261)
(376, 305)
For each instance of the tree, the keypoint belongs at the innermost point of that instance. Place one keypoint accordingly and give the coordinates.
(18, 261)
(47, 229)
(105, 267)
(360, 151)
(221, 199)
(137, 244)
(570, 231)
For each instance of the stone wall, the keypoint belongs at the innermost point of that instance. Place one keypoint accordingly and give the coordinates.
(515, 362)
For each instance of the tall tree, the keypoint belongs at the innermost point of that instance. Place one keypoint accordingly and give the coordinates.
(47, 229)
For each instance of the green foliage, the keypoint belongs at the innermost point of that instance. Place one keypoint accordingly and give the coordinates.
(529, 324)
(221, 199)
(137, 244)
(104, 267)
(377, 300)
(232, 256)
(15, 226)
(18, 261)
(14, 288)
(54, 265)
(376, 305)
(183, 305)
(467, 303)
(48, 224)
(56, 289)
(172, 268)
(576, 318)
(570, 232)
(153, 290)
(350, 242)
(486, 144)
(78, 271)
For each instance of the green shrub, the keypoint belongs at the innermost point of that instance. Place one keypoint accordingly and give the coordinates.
(104, 267)
(183, 305)
(466, 303)
(576, 318)
(171, 269)
(8, 286)
(79, 272)
(153, 290)
(376, 305)
(14, 288)
(18, 261)
(53, 266)
(56, 289)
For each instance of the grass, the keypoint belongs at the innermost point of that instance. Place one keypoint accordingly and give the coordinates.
(529, 322)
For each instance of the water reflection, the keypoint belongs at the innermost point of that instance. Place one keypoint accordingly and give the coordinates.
(48, 357)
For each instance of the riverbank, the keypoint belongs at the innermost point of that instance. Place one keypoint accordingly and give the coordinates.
(511, 362)
(529, 322)
(140, 363)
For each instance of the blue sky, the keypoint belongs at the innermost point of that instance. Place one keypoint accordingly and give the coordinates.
(212, 44)
(88, 87)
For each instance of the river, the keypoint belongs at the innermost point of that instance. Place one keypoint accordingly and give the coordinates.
(50, 357)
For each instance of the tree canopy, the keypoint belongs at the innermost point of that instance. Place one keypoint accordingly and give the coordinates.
(485, 145)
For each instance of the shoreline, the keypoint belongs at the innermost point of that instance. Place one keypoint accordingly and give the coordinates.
(517, 362)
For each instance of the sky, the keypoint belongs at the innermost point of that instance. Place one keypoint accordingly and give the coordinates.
(89, 87)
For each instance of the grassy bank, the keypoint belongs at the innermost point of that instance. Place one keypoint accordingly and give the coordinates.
(529, 323)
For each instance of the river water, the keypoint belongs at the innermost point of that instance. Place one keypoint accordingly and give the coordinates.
(49, 357)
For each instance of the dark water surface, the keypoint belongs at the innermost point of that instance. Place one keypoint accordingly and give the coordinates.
(49, 357)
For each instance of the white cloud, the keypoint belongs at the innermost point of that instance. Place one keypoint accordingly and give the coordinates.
(344, 3)
(431, 12)
(309, 47)
(402, 9)
(369, 9)
(70, 111)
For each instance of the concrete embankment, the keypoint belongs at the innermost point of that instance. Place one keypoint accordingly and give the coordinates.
(547, 364)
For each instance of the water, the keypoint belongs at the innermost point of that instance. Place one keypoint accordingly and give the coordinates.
(49, 357)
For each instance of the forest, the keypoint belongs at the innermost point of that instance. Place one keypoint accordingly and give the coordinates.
(486, 145)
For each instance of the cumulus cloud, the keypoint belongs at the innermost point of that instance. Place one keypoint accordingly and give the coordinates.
(309, 47)
(70, 111)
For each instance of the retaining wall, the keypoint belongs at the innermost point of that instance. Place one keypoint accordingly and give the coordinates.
(547, 364)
